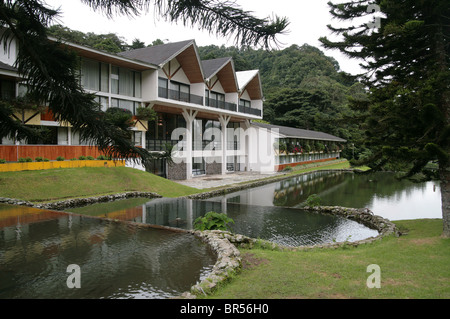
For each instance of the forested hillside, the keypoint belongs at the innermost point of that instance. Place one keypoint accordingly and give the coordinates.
(302, 87)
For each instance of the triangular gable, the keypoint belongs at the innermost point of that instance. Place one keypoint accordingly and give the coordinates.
(250, 81)
(224, 69)
(185, 52)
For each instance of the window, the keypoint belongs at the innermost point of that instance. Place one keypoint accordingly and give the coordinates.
(125, 104)
(7, 89)
(179, 91)
(215, 99)
(206, 134)
(136, 138)
(198, 166)
(125, 82)
(94, 75)
(245, 103)
(163, 87)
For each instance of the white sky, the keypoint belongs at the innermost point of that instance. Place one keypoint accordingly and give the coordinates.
(308, 21)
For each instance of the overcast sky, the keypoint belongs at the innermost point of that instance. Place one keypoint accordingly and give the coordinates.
(308, 21)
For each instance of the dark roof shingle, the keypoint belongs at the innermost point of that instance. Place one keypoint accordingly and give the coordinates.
(210, 67)
(158, 54)
(300, 133)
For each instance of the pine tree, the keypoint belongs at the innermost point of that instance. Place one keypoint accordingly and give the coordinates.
(405, 55)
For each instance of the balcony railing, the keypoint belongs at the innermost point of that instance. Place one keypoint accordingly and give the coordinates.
(221, 104)
(180, 96)
(249, 110)
(196, 99)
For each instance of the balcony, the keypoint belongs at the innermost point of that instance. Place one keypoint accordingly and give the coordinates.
(221, 104)
(249, 110)
(179, 96)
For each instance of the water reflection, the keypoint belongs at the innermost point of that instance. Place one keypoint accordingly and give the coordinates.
(283, 225)
(117, 260)
(381, 192)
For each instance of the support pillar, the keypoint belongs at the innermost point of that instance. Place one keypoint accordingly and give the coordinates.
(224, 119)
(189, 116)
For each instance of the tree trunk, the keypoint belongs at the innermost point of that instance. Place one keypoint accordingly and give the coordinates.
(445, 197)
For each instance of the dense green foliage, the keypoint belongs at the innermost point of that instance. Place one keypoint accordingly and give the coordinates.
(213, 221)
(407, 59)
(302, 87)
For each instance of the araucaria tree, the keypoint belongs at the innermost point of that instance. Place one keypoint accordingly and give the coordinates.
(51, 71)
(405, 53)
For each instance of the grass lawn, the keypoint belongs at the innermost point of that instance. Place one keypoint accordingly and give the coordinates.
(57, 184)
(412, 266)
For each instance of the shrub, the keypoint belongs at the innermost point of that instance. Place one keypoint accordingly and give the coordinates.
(46, 160)
(24, 160)
(213, 221)
(82, 158)
(287, 169)
(39, 159)
(74, 159)
(313, 200)
(60, 158)
(90, 158)
(102, 158)
(2, 161)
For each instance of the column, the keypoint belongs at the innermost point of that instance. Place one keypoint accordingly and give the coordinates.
(189, 116)
(224, 119)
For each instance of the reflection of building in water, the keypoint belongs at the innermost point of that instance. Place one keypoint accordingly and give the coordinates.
(37, 246)
(289, 192)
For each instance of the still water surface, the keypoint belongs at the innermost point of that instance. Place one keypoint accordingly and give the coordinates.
(120, 260)
(381, 192)
(117, 260)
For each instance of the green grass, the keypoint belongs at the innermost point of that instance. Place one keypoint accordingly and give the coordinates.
(412, 266)
(57, 184)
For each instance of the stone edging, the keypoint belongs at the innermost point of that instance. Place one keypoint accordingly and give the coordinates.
(229, 261)
(77, 202)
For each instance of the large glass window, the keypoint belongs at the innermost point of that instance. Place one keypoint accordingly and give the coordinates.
(245, 103)
(198, 166)
(125, 104)
(233, 136)
(215, 99)
(160, 131)
(163, 88)
(179, 91)
(206, 135)
(7, 89)
(125, 82)
(94, 75)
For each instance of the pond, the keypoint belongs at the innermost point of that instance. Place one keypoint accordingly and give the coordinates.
(117, 260)
(132, 260)
(283, 225)
(273, 211)
(381, 192)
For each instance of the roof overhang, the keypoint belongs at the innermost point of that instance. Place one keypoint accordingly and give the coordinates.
(94, 54)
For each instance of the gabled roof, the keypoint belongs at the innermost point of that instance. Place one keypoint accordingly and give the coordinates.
(158, 54)
(185, 52)
(291, 132)
(224, 69)
(211, 67)
(250, 81)
(95, 54)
